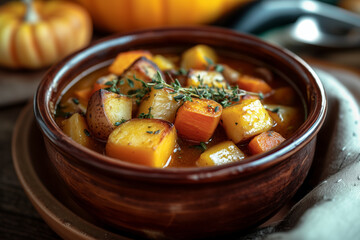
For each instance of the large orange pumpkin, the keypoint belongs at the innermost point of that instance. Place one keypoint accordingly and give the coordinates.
(123, 15)
(42, 32)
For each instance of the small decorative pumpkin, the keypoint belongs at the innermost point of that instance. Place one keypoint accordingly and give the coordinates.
(124, 15)
(37, 34)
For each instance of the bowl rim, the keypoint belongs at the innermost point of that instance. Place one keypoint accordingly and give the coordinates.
(117, 168)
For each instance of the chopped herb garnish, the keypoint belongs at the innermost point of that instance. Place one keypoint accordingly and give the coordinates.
(150, 132)
(119, 123)
(147, 115)
(216, 109)
(131, 82)
(275, 110)
(75, 100)
(209, 61)
(201, 146)
(157, 132)
(224, 96)
(182, 71)
(87, 133)
(219, 68)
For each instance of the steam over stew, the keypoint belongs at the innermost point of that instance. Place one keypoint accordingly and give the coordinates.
(193, 109)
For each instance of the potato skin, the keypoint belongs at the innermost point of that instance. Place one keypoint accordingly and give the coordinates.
(98, 119)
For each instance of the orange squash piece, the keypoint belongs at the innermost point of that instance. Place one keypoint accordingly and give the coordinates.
(197, 120)
(83, 94)
(198, 57)
(125, 59)
(264, 142)
(149, 142)
(253, 84)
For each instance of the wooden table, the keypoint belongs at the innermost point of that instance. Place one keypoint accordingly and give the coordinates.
(18, 218)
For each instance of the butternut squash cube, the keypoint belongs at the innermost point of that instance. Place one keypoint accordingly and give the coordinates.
(198, 57)
(105, 110)
(210, 78)
(284, 96)
(253, 84)
(149, 142)
(265, 142)
(197, 120)
(245, 120)
(163, 63)
(287, 119)
(77, 129)
(125, 59)
(162, 103)
(143, 69)
(219, 154)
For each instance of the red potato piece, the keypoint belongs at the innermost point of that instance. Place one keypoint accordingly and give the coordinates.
(105, 110)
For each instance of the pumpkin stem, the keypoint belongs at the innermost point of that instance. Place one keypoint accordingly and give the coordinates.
(31, 14)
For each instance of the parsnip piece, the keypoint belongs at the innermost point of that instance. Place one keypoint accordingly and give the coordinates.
(105, 110)
(210, 78)
(198, 57)
(162, 103)
(221, 153)
(245, 120)
(76, 128)
(149, 142)
(197, 120)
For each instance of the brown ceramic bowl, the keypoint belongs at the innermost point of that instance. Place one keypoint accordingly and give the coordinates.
(181, 203)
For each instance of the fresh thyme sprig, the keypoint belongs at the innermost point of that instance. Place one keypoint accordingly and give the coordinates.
(224, 96)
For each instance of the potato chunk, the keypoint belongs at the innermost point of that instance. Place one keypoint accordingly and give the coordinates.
(221, 153)
(125, 59)
(76, 128)
(198, 57)
(105, 110)
(149, 142)
(163, 63)
(245, 120)
(197, 120)
(162, 103)
(143, 69)
(210, 78)
(287, 119)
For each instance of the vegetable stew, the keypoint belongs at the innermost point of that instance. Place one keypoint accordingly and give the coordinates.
(193, 109)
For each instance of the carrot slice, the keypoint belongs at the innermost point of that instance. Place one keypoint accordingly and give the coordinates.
(125, 59)
(253, 84)
(265, 141)
(197, 120)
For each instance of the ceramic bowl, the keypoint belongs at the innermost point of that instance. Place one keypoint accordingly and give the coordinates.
(181, 203)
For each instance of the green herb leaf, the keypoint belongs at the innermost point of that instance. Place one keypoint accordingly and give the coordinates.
(87, 133)
(130, 82)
